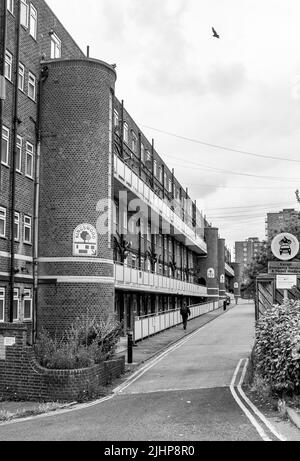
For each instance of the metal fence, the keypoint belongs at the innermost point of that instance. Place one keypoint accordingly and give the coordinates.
(149, 325)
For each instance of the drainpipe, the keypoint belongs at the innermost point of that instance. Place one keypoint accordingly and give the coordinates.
(3, 23)
(43, 78)
(122, 130)
(13, 165)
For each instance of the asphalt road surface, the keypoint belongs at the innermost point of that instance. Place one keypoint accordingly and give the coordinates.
(184, 395)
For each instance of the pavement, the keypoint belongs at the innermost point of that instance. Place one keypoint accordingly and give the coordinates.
(143, 351)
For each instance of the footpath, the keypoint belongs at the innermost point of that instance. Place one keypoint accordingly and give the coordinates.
(144, 350)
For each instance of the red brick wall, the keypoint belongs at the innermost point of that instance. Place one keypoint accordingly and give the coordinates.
(22, 378)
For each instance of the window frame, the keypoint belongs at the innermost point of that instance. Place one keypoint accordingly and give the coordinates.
(29, 153)
(24, 9)
(27, 297)
(2, 301)
(27, 225)
(126, 132)
(8, 66)
(16, 298)
(55, 45)
(31, 84)
(134, 142)
(3, 217)
(17, 222)
(5, 137)
(33, 23)
(21, 77)
(19, 147)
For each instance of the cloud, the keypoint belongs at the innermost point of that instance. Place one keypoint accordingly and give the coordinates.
(225, 80)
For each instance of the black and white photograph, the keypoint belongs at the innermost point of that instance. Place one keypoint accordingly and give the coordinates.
(150, 224)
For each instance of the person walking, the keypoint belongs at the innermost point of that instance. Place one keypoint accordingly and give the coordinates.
(185, 313)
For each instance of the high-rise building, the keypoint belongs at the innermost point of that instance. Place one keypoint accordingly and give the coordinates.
(287, 220)
(246, 251)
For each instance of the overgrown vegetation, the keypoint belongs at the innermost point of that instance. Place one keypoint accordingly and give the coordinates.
(87, 342)
(276, 354)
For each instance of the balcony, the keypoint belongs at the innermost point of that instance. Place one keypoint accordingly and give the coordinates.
(183, 232)
(134, 279)
(229, 271)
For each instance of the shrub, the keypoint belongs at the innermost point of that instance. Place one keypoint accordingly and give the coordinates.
(276, 354)
(86, 343)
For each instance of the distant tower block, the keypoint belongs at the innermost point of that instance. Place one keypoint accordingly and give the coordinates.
(237, 279)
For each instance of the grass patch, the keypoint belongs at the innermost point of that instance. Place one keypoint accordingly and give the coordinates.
(41, 408)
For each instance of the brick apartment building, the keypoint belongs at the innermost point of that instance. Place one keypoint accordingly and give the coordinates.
(91, 217)
(287, 220)
(246, 251)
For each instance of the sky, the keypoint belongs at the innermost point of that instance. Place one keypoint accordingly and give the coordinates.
(218, 109)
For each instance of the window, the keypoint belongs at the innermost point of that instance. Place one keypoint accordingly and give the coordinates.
(55, 47)
(160, 173)
(10, 7)
(17, 227)
(27, 229)
(125, 133)
(133, 261)
(170, 185)
(33, 21)
(29, 160)
(31, 86)
(16, 305)
(116, 118)
(8, 65)
(19, 154)
(142, 153)
(24, 13)
(155, 167)
(27, 305)
(134, 143)
(2, 304)
(21, 77)
(5, 145)
(2, 222)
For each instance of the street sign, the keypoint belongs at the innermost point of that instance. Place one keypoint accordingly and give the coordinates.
(285, 246)
(284, 267)
(285, 282)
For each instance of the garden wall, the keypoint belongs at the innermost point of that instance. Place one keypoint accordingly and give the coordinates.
(22, 378)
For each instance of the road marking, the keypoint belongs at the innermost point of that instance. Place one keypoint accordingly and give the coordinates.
(255, 409)
(253, 421)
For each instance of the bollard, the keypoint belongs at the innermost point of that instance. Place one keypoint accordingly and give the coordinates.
(129, 345)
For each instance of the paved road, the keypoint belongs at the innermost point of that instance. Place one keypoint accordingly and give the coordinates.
(184, 396)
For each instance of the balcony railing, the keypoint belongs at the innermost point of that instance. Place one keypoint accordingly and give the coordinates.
(149, 325)
(132, 181)
(229, 270)
(131, 278)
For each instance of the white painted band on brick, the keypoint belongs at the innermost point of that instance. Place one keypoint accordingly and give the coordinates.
(77, 279)
(76, 260)
(4, 254)
(24, 276)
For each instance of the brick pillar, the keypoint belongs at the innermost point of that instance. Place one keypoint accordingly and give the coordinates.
(76, 173)
(221, 267)
(237, 279)
(211, 262)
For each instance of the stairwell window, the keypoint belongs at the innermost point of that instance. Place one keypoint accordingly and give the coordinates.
(55, 47)
(24, 13)
(2, 304)
(16, 305)
(125, 133)
(8, 65)
(134, 143)
(2, 222)
(29, 161)
(33, 21)
(27, 229)
(27, 305)
(18, 159)
(10, 6)
(5, 146)
(17, 227)
(21, 77)
(31, 86)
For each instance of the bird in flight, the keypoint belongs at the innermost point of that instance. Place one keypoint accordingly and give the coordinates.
(215, 33)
